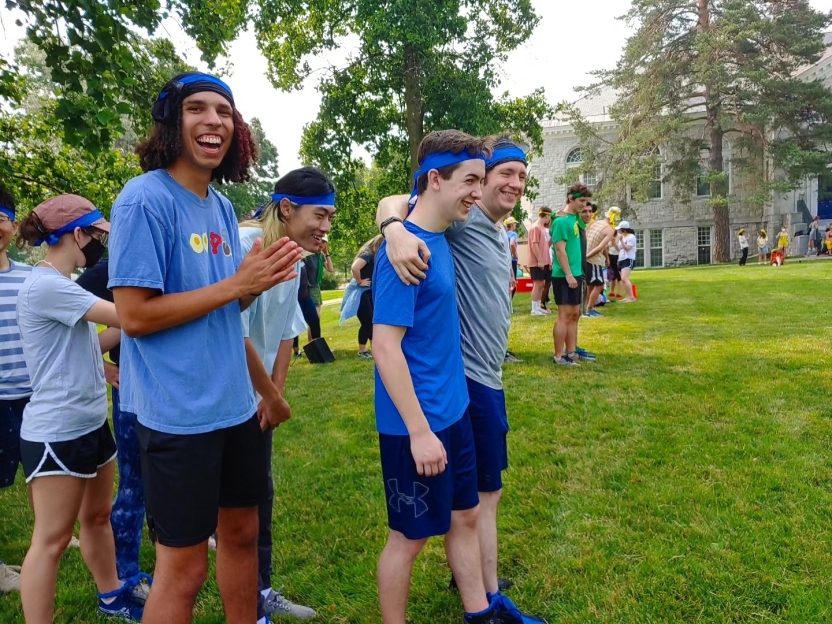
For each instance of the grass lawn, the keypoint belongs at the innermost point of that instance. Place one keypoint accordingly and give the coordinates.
(684, 477)
(329, 295)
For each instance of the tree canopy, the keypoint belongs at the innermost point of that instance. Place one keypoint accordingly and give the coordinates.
(696, 72)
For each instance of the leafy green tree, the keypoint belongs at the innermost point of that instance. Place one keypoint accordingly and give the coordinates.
(698, 71)
(419, 66)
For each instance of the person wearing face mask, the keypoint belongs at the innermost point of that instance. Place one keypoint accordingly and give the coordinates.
(66, 445)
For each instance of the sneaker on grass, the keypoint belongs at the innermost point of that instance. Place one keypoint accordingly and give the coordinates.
(510, 358)
(366, 355)
(564, 360)
(583, 354)
(139, 586)
(121, 604)
(9, 578)
(595, 314)
(276, 603)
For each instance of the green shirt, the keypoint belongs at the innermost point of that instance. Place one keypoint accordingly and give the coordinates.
(568, 228)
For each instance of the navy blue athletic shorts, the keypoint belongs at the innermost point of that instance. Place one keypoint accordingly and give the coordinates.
(489, 422)
(420, 507)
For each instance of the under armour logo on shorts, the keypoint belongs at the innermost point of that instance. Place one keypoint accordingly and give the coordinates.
(397, 498)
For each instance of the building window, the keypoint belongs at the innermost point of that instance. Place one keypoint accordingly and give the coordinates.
(656, 185)
(639, 248)
(575, 159)
(703, 189)
(703, 245)
(656, 248)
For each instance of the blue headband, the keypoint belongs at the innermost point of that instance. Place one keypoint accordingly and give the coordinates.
(181, 87)
(505, 154)
(439, 160)
(84, 221)
(9, 212)
(314, 200)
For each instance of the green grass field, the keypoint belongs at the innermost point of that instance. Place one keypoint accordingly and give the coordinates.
(684, 477)
(329, 295)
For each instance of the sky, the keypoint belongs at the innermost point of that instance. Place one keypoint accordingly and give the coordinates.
(572, 40)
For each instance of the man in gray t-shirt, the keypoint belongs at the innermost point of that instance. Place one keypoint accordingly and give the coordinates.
(483, 275)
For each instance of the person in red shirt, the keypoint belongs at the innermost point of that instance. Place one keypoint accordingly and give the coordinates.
(540, 261)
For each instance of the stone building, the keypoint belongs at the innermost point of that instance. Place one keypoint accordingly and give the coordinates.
(670, 232)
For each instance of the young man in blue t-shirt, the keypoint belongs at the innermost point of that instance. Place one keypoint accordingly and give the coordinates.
(180, 281)
(427, 448)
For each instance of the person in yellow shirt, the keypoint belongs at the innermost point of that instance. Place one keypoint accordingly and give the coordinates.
(783, 241)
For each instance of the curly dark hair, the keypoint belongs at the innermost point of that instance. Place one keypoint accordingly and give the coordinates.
(164, 146)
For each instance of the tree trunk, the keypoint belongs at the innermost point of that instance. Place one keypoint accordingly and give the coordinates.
(415, 119)
(719, 188)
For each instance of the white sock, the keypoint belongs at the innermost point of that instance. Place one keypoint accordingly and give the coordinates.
(535, 306)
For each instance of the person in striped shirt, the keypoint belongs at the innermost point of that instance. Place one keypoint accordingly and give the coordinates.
(15, 386)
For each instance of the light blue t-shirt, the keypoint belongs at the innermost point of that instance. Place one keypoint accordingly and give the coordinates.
(275, 315)
(431, 343)
(14, 378)
(191, 378)
(63, 357)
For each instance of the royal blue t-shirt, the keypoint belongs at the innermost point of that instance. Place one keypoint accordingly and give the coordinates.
(431, 343)
(191, 378)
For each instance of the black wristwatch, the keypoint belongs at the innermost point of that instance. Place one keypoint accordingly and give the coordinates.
(387, 222)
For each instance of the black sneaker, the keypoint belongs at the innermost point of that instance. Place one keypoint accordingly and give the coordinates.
(502, 584)
(565, 360)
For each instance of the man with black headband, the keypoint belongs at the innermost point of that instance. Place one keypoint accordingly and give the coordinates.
(483, 265)
(180, 281)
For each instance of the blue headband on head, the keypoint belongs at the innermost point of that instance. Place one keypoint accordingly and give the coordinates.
(438, 160)
(314, 200)
(88, 219)
(182, 87)
(506, 154)
(9, 212)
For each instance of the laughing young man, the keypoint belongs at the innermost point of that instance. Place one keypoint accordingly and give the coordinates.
(483, 265)
(180, 281)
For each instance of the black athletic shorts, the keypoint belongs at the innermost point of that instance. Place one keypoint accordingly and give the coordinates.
(81, 457)
(541, 273)
(595, 275)
(627, 263)
(187, 478)
(565, 295)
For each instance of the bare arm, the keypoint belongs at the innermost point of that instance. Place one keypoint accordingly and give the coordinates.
(272, 410)
(357, 265)
(145, 311)
(109, 338)
(407, 253)
(427, 450)
(281, 365)
(604, 244)
(563, 261)
(328, 264)
(102, 313)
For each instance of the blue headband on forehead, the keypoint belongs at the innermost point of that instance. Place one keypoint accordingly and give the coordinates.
(505, 154)
(81, 222)
(312, 200)
(181, 87)
(9, 212)
(438, 160)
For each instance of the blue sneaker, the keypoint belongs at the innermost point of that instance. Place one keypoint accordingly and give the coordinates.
(595, 314)
(583, 354)
(509, 612)
(124, 606)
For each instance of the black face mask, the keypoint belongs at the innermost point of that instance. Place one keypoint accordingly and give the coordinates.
(92, 252)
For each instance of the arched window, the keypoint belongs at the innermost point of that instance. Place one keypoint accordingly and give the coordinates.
(575, 159)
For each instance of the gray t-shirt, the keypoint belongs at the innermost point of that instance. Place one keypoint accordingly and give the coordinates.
(482, 261)
(63, 356)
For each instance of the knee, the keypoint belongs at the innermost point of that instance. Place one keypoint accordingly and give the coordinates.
(242, 531)
(490, 500)
(468, 518)
(53, 546)
(405, 547)
(184, 579)
(96, 518)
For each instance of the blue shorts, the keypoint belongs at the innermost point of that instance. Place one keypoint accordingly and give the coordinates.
(489, 423)
(420, 507)
(11, 417)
